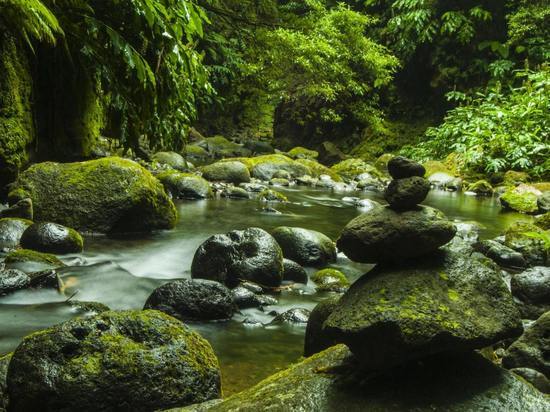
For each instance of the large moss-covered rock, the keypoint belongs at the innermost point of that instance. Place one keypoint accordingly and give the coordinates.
(29, 260)
(521, 199)
(307, 247)
(172, 159)
(16, 116)
(104, 195)
(52, 238)
(299, 152)
(383, 234)
(251, 254)
(230, 172)
(133, 360)
(330, 382)
(185, 185)
(196, 299)
(445, 302)
(11, 230)
(265, 167)
(4, 363)
(532, 349)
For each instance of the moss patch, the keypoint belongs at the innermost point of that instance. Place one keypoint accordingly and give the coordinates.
(317, 169)
(25, 255)
(330, 280)
(524, 202)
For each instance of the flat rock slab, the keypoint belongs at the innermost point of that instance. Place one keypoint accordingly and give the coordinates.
(329, 382)
(447, 302)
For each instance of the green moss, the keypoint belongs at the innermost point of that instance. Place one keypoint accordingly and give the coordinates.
(317, 169)
(543, 221)
(302, 153)
(269, 195)
(330, 280)
(481, 187)
(524, 202)
(351, 168)
(435, 166)
(513, 178)
(16, 119)
(104, 195)
(194, 150)
(25, 255)
(382, 162)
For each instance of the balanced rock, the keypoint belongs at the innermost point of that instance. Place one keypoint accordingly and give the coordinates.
(52, 238)
(444, 302)
(104, 195)
(304, 246)
(132, 360)
(406, 193)
(383, 234)
(251, 254)
(400, 167)
(331, 382)
(196, 299)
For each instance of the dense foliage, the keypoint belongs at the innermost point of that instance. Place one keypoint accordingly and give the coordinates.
(501, 128)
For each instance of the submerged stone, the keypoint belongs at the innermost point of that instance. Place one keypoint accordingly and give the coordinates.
(331, 382)
(445, 302)
(103, 195)
(131, 360)
(383, 234)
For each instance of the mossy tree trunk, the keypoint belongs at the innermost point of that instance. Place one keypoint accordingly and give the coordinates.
(16, 116)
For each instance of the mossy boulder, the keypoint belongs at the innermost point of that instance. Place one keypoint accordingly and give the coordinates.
(269, 195)
(302, 153)
(351, 168)
(190, 300)
(265, 167)
(330, 280)
(500, 253)
(52, 238)
(406, 193)
(196, 153)
(521, 199)
(444, 302)
(481, 188)
(30, 260)
(383, 234)
(219, 146)
(132, 360)
(185, 185)
(529, 240)
(514, 178)
(304, 246)
(11, 230)
(171, 159)
(542, 221)
(532, 349)
(331, 382)
(109, 195)
(251, 254)
(229, 172)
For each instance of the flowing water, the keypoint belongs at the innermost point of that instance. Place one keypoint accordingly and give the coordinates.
(121, 273)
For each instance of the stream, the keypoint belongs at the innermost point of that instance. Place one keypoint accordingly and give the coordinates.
(121, 273)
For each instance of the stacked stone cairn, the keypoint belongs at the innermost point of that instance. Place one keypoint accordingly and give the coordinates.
(421, 299)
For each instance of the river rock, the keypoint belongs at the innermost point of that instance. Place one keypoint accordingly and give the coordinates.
(292, 316)
(529, 240)
(265, 167)
(481, 188)
(52, 238)
(535, 378)
(522, 198)
(172, 159)
(269, 195)
(444, 302)
(501, 254)
(11, 230)
(190, 300)
(383, 234)
(4, 363)
(259, 147)
(185, 185)
(12, 280)
(30, 260)
(229, 172)
(316, 339)
(304, 246)
(532, 289)
(400, 167)
(246, 298)
(543, 202)
(532, 349)
(131, 360)
(406, 193)
(103, 195)
(22, 209)
(331, 382)
(330, 280)
(294, 272)
(251, 254)
(235, 193)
